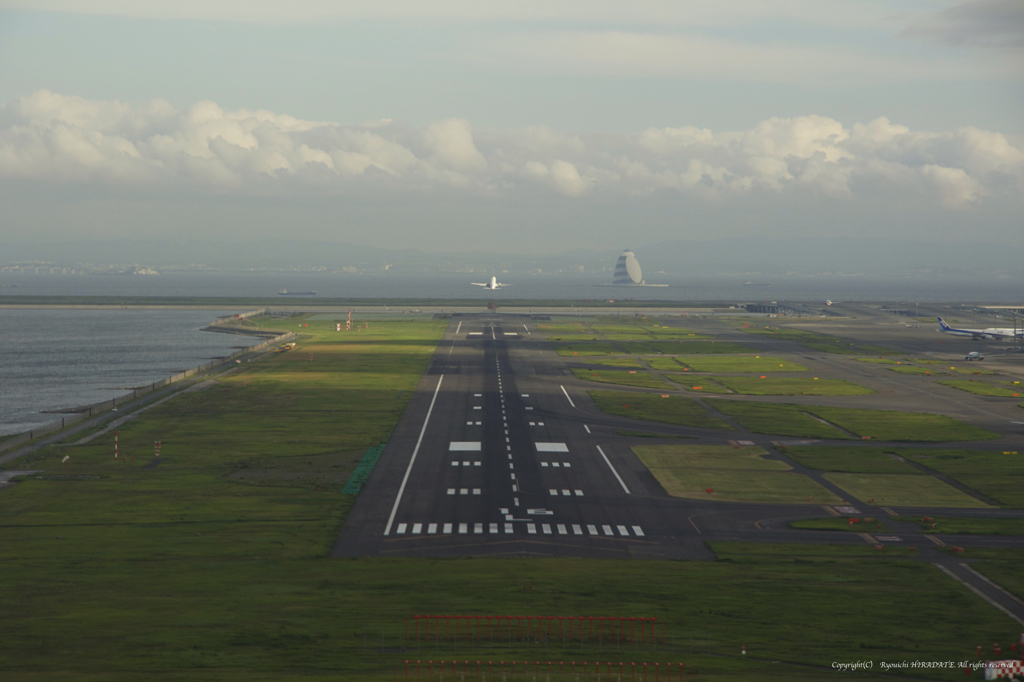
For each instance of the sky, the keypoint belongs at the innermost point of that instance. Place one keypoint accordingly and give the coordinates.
(521, 126)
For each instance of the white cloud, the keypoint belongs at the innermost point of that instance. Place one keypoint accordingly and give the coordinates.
(651, 12)
(53, 139)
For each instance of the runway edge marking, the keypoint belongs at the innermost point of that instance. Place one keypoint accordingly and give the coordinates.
(609, 463)
(567, 396)
(412, 460)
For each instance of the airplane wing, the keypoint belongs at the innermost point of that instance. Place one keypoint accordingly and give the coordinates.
(479, 284)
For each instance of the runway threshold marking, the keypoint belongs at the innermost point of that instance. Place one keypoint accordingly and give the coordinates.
(412, 460)
(566, 396)
(609, 463)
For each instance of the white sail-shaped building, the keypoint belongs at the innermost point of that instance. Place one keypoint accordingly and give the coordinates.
(627, 270)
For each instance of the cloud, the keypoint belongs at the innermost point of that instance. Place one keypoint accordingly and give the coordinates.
(650, 12)
(55, 140)
(980, 23)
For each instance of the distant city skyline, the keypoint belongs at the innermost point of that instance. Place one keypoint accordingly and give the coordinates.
(511, 126)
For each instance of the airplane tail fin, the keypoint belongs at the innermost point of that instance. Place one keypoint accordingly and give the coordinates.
(943, 325)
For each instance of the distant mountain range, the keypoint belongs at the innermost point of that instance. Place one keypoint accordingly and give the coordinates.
(763, 256)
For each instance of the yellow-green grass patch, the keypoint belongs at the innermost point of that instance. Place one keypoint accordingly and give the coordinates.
(792, 386)
(862, 525)
(901, 426)
(995, 473)
(879, 361)
(776, 418)
(724, 549)
(583, 349)
(651, 407)
(623, 378)
(616, 362)
(910, 369)
(707, 457)
(772, 487)
(972, 370)
(969, 526)
(848, 459)
(980, 388)
(904, 490)
(701, 383)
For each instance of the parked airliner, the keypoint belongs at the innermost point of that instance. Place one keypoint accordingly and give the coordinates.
(990, 333)
(492, 285)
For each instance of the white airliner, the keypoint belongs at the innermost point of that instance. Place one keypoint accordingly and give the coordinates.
(974, 355)
(492, 285)
(990, 333)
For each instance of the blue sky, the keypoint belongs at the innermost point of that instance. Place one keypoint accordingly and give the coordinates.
(596, 76)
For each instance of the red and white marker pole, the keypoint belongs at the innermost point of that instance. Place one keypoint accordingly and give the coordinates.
(156, 447)
(115, 444)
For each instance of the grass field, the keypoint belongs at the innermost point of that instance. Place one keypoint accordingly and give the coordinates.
(780, 419)
(909, 369)
(815, 341)
(623, 378)
(616, 362)
(841, 523)
(726, 549)
(848, 459)
(671, 410)
(991, 472)
(582, 349)
(644, 434)
(878, 361)
(903, 490)
(902, 426)
(707, 457)
(212, 566)
(727, 363)
(971, 526)
(980, 388)
(732, 474)
(791, 386)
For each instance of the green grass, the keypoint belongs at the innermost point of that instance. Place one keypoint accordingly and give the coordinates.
(727, 363)
(623, 378)
(583, 349)
(697, 382)
(1005, 567)
(972, 370)
(815, 341)
(776, 418)
(971, 526)
(990, 472)
(980, 388)
(791, 386)
(671, 410)
(170, 574)
(902, 426)
(841, 523)
(848, 459)
(908, 369)
(707, 457)
(733, 474)
(616, 362)
(903, 490)
(879, 361)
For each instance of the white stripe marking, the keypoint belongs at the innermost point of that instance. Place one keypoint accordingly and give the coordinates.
(546, 528)
(459, 327)
(531, 529)
(566, 492)
(607, 530)
(447, 528)
(463, 528)
(587, 428)
(493, 528)
(401, 528)
(566, 465)
(463, 491)
(543, 464)
(476, 491)
(451, 491)
(508, 527)
(553, 492)
(417, 528)
(562, 530)
(639, 531)
(412, 460)
(592, 529)
(608, 462)
(464, 446)
(623, 530)
(567, 396)
(576, 529)
(478, 528)
(579, 493)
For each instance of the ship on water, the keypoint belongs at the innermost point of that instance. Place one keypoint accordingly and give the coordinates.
(285, 292)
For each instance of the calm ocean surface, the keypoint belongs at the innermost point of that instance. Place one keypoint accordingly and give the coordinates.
(52, 359)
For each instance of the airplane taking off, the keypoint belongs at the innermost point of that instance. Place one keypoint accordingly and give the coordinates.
(990, 333)
(492, 285)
